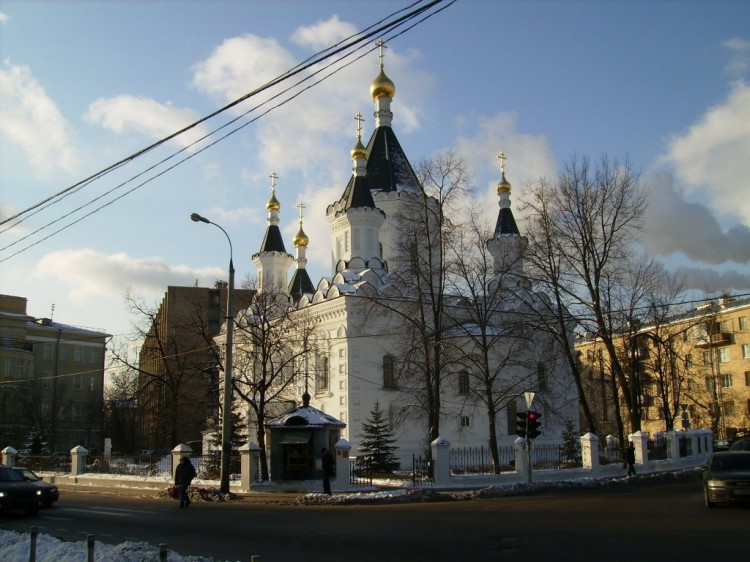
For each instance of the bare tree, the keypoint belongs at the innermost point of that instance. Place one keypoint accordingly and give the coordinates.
(581, 233)
(176, 371)
(491, 341)
(272, 343)
(424, 229)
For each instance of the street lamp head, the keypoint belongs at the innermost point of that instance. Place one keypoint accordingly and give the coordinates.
(195, 217)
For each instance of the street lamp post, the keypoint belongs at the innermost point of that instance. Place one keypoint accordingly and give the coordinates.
(226, 419)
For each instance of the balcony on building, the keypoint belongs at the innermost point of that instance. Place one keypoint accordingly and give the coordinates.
(714, 340)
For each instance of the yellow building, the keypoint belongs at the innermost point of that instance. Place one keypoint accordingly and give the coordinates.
(51, 381)
(692, 370)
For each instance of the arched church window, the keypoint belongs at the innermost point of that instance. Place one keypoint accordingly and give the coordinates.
(321, 375)
(389, 375)
(463, 382)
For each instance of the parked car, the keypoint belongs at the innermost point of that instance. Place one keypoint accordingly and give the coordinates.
(726, 478)
(16, 493)
(740, 444)
(721, 445)
(50, 493)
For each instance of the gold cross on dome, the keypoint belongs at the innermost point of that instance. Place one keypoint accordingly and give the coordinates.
(501, 157)
(381, 45)
(300, 206)
(273, 177)
(358, 118)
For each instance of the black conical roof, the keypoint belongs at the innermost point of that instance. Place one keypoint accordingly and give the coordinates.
(357, 193)
(300, 284)
(388, 168)
(273, 242)
(506, 223)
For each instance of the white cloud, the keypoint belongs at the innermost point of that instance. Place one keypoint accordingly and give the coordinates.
(88, 274)
(739, 63)
(146, 116)
(4, 18)
(712, 281)
(324, 33)
(676, 225)
(308, 133)
(712, 155)
(30, 119)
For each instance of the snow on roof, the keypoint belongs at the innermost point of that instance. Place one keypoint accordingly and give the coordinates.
(304, 416)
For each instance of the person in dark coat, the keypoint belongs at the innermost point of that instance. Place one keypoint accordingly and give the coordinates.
(183, 477)
(327, 460)
(630, 459)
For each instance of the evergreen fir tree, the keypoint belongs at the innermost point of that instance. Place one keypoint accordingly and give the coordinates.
(571, 445)
(377, 442)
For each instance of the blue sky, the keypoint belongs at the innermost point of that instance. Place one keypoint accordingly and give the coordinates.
(84, 84)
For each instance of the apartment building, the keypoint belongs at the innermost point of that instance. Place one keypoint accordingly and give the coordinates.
(179, 368)
(692, 370)
(52, 381)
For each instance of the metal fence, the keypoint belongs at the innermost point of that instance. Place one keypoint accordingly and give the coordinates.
(609, 453)
(657, 449)
(478, 460)
(421, 472)
(360, 470)
(44, 463)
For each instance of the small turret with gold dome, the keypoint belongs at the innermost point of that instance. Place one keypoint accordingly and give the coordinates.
(300, 239)
(504, 185)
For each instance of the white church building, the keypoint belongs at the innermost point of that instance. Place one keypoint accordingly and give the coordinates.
(359, 355)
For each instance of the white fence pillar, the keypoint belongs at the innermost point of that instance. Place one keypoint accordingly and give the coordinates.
(521, 457)
(178, 452)
(442, 460)
(590, 451)
(640, 442)
(9, 456)
(341, 480)
(78, 460)
(249, 465)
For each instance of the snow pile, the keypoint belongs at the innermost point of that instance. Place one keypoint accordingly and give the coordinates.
(14, 547)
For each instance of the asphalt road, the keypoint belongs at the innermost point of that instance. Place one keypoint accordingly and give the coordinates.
(659, 522)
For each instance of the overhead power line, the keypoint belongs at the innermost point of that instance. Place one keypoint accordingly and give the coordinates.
(348, 47)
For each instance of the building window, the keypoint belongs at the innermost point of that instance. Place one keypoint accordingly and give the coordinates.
(321, 375)
(710, 384)
(748, 406)
(541, 372)
(92, 384)
(742, 321)
(9, 365)
(706, 357)
(46, 379)
(78, 357)
(691, 385)
(746, 350)
(63, 353)
(75, 412)
(465, 421)
(389, 375)
(726, 326)
(723, 355)
(747, 378)
(729, 408)
(77, 381)
(92, 356)
(688, 360)
(463, 382)
(48, 351)
(726, 381)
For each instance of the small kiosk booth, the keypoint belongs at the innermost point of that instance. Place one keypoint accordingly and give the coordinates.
(296, 438)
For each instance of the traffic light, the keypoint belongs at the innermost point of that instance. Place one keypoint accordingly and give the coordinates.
(533, 424)
(521, 424)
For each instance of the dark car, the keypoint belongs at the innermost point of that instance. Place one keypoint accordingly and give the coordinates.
(16, 493)
(726, 478)
(50, 493)
(740, 444)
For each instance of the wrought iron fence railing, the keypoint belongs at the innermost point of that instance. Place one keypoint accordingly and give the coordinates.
(421, 473)
(478, 460)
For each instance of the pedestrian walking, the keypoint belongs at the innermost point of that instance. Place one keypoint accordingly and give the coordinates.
(327, 460)
(183, 477)
(630, 459)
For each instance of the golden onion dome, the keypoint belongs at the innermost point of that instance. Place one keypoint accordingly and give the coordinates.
(359, 150)
(382, 86)
(301, 239)
(273, 203)
(503, 186)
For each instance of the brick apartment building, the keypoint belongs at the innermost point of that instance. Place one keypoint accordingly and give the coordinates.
(51, 380)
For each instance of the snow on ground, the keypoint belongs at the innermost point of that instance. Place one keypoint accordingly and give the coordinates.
(14, 547)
